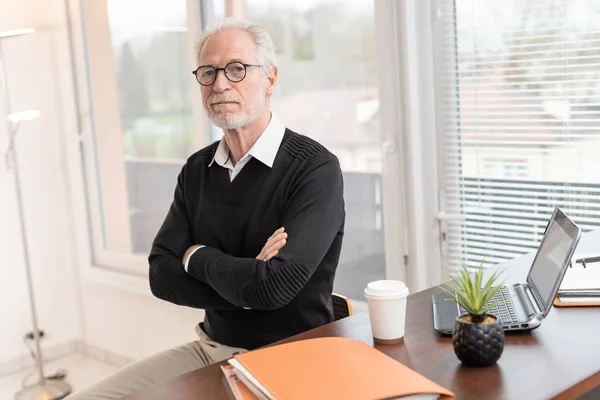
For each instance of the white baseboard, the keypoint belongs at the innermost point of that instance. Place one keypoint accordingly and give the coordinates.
(106, 356)
(51, 353)
(25, 361)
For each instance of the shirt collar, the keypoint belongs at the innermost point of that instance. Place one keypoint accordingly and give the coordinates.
(221, 156)
(264, 149)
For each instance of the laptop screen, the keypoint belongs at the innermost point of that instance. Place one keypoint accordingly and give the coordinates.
(553, 258)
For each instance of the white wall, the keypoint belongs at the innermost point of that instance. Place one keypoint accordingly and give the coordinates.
(75, 300)
(133, 324)
(32, 62)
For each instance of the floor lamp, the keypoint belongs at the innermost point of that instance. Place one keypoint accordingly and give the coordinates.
(43, 389)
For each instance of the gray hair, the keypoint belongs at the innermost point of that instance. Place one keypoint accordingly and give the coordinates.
(262, 39)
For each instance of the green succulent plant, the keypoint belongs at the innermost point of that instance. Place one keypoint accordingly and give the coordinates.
(469, 291)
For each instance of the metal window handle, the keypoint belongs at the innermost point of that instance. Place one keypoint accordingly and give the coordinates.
(443, 217)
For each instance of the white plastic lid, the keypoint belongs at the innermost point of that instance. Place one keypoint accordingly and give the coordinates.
(386, 289)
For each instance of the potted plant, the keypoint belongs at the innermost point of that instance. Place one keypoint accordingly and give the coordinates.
(478, 337)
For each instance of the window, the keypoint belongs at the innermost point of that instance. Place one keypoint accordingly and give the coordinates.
(147, 116)
(518, 87)
(328, 90)
(145, 120)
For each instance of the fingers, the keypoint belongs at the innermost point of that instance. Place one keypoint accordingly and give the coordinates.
(275, 247)
(275, 243)
(280, 230)
(273, 254)
(274, 239)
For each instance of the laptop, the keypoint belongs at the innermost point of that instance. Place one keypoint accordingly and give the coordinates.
(526, 304)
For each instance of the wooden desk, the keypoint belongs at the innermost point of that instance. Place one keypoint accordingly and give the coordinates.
(560, 359)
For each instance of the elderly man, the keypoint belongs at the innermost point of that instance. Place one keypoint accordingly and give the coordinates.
(262, 190)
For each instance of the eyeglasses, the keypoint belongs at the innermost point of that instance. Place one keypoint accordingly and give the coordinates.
(235, 71)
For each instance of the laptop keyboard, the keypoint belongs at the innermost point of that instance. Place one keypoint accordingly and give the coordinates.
(504, 311)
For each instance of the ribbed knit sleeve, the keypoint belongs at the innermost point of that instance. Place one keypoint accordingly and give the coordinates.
(168, 279)
(312, 216)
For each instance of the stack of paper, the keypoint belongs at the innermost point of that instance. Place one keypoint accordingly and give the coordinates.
(241, 390)
(581, 283)
(327, 368)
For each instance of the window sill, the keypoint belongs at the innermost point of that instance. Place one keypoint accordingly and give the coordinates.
(137, 284)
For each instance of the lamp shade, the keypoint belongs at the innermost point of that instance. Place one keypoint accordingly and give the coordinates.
(23, 116)
(16, 32)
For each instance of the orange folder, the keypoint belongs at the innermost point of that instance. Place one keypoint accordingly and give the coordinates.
(331, 368)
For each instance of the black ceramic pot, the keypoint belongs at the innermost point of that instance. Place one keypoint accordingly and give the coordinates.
(478, 344)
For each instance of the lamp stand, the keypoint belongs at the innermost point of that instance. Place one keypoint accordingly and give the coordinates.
(43, 389)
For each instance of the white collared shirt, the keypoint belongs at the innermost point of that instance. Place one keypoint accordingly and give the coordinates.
(264, 149)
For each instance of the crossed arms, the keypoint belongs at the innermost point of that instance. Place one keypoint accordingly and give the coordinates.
(312, 217)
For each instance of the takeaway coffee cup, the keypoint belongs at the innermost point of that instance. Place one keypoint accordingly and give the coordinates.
(386, 300)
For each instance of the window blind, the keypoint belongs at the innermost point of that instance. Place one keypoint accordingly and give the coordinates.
(518, 119)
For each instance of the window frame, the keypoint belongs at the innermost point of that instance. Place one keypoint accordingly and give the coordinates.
(108, 266)
(95, 101)
(420, 144)
(546, 193)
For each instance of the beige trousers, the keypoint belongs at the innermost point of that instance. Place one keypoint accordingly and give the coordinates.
(158, 368)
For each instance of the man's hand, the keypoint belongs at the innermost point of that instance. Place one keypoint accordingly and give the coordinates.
(273, 245)
(188, 252)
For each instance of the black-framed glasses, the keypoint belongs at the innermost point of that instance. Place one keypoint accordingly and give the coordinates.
(235, 71)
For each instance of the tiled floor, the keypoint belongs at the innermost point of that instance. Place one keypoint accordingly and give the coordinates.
(82, 371)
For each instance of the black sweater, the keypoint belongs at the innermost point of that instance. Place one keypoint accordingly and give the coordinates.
(289, 294)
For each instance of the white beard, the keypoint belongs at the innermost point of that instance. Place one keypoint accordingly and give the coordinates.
(238, 120)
